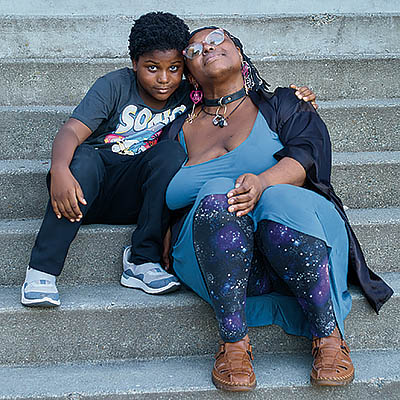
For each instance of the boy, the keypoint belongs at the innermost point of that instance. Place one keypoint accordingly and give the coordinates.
(108, 167)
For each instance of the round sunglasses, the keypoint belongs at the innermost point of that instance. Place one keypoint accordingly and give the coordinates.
(214, 38)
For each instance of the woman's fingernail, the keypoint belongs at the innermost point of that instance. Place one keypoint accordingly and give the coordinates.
(230, 194)
(237, 185)
(231, 209)
(231, 201)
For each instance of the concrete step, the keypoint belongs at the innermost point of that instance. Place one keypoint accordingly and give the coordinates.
(362, 125)
(279, 377)
(367, 179)
(363, 180)
(106, 36)
(95, 255)
(354, 125)
(111, 322)
(63, 82)
(187, 7)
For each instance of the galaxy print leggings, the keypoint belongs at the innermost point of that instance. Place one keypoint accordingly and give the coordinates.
(235, 263)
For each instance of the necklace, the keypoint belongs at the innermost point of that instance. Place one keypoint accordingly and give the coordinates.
(219, 119)
(225, 99)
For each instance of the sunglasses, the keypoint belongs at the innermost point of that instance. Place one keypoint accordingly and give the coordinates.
(214, 38)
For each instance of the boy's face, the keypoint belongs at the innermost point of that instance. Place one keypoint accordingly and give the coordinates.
(159, 74)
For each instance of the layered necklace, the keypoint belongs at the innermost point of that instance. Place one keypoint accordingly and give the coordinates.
(222, 120)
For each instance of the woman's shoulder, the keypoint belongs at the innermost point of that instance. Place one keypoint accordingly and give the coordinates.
(278, 107)
(285, 98)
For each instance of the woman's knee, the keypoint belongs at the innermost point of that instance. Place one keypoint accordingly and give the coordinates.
(216, 186)
(279, 193)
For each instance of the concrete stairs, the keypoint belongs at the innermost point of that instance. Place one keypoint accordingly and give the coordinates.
(108, 342)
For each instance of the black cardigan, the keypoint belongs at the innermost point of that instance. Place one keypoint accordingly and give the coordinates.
(306, 139)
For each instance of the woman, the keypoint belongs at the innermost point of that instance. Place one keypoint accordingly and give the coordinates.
(264, 238)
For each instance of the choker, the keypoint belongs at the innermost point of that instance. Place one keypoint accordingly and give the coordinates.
(224, 99)
(222, 120)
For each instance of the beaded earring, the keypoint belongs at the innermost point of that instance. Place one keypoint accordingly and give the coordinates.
(246, 76)
(196, 96)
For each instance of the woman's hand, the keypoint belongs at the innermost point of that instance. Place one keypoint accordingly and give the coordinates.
(306, 94)
(65, 195)
(247, 192)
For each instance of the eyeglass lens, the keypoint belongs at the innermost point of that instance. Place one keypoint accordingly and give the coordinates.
(214, 38)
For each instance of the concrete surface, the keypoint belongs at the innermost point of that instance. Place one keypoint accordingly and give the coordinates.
(107, 36)
(279, 376)
(95, 255)
(100, 322)
(347, 51)
(362, 180)
(64, 82)
(363, 125)
(187, 7)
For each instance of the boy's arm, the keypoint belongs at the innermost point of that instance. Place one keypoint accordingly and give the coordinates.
(65, 191)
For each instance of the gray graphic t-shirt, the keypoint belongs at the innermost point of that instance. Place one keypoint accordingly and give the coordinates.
(118, 118)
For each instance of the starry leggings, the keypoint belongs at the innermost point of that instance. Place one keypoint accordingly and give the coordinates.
(237, 263)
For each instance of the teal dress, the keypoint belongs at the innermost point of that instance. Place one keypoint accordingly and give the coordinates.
(296, 207)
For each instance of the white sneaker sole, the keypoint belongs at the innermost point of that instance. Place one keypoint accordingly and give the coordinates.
(135, 283)
(44, 302)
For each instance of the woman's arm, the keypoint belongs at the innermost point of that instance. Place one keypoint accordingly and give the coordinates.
(306, 153)
(249, 187)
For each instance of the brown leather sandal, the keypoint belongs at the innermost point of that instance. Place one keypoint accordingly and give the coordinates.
(332, 364)
(233, 370)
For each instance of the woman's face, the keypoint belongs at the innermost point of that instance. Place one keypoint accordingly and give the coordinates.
(222, 60)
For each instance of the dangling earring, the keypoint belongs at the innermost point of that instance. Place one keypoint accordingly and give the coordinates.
(246, 76)
(196, 96)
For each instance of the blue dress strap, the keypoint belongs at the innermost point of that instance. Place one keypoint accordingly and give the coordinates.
(182, 139)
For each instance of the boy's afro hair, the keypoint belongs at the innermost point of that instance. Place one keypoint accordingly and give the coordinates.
(157, 31)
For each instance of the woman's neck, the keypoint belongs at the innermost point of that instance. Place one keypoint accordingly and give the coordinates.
(214, 90)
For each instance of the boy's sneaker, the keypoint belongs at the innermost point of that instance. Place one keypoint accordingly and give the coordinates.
(41, 292)
(149, 277)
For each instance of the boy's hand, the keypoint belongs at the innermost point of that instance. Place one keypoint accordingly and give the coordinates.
(306, 94)
(244, 197)
(65, 193)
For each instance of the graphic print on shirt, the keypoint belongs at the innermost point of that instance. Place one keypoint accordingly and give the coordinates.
(137, 130)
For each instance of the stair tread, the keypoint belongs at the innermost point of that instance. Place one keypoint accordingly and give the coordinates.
(93, 296)
(181, 375)
(357, 216)
(24, 166)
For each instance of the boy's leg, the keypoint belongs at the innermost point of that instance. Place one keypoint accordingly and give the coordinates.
(160, 164)
(55, 235)
(135, 193)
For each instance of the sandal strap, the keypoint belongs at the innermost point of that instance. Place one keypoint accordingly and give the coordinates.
(331, 358)
(233, 360)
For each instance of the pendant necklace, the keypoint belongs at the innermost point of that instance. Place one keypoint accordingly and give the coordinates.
(222, 120)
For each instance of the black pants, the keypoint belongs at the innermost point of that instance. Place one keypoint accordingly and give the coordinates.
(119, 189)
